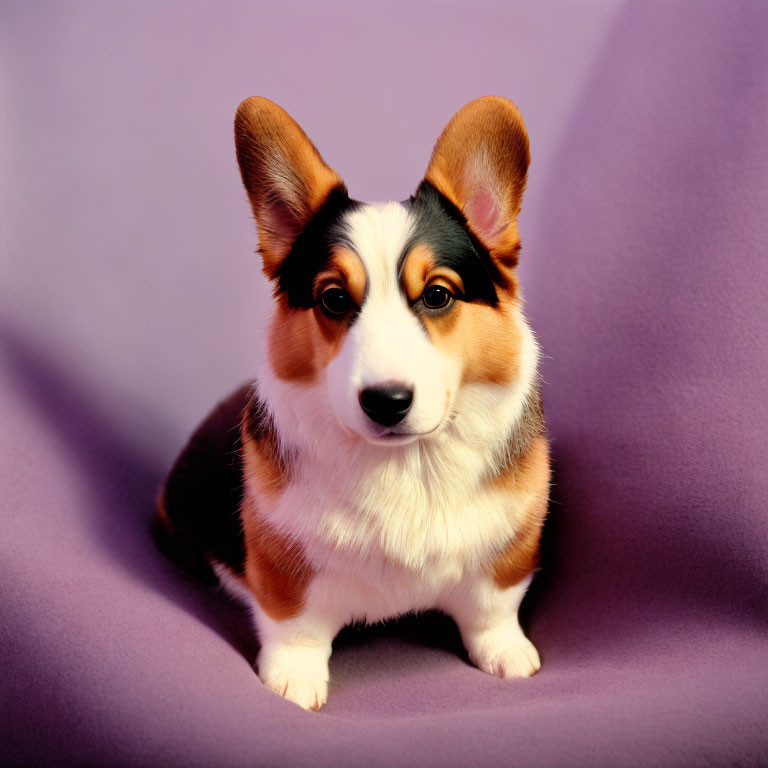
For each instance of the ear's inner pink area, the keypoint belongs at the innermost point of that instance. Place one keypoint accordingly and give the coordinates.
(485, 215)
(440, 226)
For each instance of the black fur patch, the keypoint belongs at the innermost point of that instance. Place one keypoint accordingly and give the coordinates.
(204, 490)
(311, 251)
(441, 226)
(203, 493)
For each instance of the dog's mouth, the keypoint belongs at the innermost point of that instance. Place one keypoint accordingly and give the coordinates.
(392, 437)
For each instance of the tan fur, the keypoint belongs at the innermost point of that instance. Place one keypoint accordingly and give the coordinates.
(345, 270)
(292, 342)
(275, 568)
(526, 479)
(418, 263)
(263, 468)
(286, 178)
(419, 270)
(485, 338)
(302, 342)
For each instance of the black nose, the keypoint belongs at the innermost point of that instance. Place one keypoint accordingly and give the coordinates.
(386, 405)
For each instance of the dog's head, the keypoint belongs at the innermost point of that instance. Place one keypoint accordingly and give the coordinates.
(387, 312)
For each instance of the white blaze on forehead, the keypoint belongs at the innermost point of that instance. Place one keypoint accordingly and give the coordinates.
(387, 335)
(378, 234)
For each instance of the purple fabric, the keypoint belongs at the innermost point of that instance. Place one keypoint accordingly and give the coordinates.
(128, 305)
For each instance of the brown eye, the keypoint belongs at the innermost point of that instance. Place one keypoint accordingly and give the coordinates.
(335, 302)
(436, 297)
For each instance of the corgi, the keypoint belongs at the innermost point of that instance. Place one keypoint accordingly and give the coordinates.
(390, 454)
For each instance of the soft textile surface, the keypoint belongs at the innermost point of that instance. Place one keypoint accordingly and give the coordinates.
(129, 299)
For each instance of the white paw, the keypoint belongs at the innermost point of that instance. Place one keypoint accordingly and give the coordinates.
(297, 674)
(309, 693)
(518, 660)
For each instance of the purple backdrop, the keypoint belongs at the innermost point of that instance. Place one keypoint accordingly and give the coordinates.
(130, 298)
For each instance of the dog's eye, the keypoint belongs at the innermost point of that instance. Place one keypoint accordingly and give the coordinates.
(436, 297)
(335, 302)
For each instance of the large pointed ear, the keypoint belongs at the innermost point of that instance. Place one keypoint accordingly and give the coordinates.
(284, 175)
(480, 164)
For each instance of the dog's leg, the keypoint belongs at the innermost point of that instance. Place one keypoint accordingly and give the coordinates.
(293, 660)
(487, 619)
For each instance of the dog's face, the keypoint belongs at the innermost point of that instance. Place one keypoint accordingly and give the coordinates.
(387, 312)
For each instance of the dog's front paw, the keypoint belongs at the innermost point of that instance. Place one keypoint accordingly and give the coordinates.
(298, 674)
(309, 693)
(518, 660)
(503, 650)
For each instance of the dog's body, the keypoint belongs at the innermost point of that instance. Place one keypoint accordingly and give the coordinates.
(390, 455)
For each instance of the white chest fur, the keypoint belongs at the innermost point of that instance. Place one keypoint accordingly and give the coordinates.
(388, 533)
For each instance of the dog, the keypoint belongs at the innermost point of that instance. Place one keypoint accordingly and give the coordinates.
(390, 455)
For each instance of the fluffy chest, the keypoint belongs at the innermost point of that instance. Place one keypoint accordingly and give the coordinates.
(393, 548)
(430, 514)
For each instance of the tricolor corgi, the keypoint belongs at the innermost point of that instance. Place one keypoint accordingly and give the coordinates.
(390, 454)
